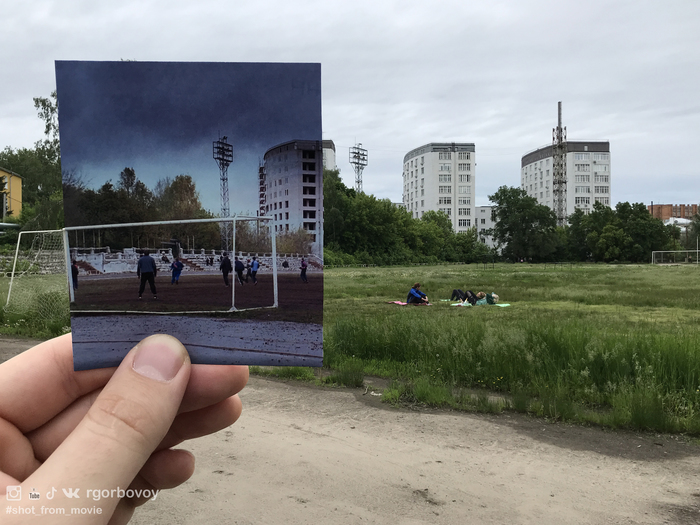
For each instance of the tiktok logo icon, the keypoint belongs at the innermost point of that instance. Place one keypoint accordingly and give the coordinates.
(50, 495)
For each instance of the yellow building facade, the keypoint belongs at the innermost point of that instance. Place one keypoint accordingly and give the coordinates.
(12, 196)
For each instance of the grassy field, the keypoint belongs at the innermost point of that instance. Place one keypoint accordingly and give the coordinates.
(611, 345)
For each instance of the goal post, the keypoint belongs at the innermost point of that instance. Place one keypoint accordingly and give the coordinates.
(95, 238)
(38, 277)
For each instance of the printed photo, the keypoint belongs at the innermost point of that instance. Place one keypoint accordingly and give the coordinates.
(193, 204)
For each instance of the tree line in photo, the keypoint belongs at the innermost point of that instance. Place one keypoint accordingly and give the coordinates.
(358, 228)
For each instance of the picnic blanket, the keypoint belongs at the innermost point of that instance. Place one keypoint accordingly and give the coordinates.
(502, 305)
(404, 304)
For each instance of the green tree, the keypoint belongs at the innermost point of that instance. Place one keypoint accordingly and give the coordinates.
(525, 229)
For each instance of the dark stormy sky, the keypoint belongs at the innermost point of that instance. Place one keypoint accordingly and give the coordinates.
(161, 118)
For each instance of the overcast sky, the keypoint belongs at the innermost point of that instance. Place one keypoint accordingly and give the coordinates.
(400, 74)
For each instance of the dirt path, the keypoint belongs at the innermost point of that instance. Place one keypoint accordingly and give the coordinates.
(301, 454)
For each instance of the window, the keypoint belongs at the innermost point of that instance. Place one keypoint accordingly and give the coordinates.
(275, 205)
(309, 202)
(445, 177)
(463, 201)
(465, 190)
(463, 155)
(308, 214)
(583, 178)
(422, 192)
(582, 156)
(308, 154)
(603, 200)
(309, 190)
(601, 156)
(422, 170)
(465, 177)
(541, 196)
(583, 200)
(583, 167)
(310, 179)
(446, 211)
(464, 166)
(445, 200)
(286, 204)
(464, 211)
(602, 189)
(464, 223)
(422, 203)
(309, 226)
(445, 167)
(444, 189)
(411, 184)
(422, 181)
(583, 189)
(444, 155)
(602, 178)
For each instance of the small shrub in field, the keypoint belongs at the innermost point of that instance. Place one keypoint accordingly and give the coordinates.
(430, 394)
(349, 373)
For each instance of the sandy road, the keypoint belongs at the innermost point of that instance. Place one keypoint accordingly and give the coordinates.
(302, 454)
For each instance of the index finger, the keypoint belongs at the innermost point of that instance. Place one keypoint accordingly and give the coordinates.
(40, 382)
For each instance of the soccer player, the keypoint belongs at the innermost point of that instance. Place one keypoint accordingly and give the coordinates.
(146, 270)
(225, 267)
(254, 267)
(176, 268)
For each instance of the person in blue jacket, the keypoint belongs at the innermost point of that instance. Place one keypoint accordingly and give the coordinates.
(254, 267)
(415, 296)
(176, 268)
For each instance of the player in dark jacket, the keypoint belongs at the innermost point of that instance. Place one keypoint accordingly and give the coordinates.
(238, 266)
(225, 267)
(146, 270)
(415, 296)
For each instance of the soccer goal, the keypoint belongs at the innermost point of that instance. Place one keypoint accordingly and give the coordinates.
(38, 280)
(675, 257)
(189, 256)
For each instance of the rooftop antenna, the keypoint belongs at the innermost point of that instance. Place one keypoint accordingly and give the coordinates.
(559, 170)
(358, 159)
(223, 155)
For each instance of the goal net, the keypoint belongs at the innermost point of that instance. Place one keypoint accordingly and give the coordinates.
(38, 280)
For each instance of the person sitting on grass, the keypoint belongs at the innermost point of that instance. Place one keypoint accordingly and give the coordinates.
(415, 296)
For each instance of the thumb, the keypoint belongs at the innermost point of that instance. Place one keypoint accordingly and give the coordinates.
(121, 430)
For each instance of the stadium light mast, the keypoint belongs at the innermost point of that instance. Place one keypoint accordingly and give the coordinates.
(559, 171)
(358, 159)
(223, 155)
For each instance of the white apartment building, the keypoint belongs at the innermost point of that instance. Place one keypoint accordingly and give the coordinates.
(440, 176)
(483, 220)
(291, 188)
(587, 175)
(329, 155)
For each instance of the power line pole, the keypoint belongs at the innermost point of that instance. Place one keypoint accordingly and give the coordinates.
(559, 171)
(358, 159)
(223, 155)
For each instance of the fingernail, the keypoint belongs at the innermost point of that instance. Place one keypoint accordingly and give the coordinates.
(159, 357)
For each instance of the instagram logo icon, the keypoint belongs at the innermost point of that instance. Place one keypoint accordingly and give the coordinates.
(14, 493)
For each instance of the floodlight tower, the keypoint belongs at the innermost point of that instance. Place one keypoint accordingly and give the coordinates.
(559, 171)
(223, 155)
(358, 159)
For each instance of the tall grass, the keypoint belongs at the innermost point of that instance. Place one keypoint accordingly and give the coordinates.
(612, 345)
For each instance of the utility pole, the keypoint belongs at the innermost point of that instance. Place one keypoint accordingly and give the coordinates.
(358, 159)
(223, 155)
(559, 171)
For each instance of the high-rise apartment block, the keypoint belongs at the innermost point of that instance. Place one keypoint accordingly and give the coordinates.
(291, 188)
(440, 176)
(587, 175)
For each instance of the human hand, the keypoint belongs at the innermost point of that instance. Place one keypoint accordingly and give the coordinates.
(108, 428)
